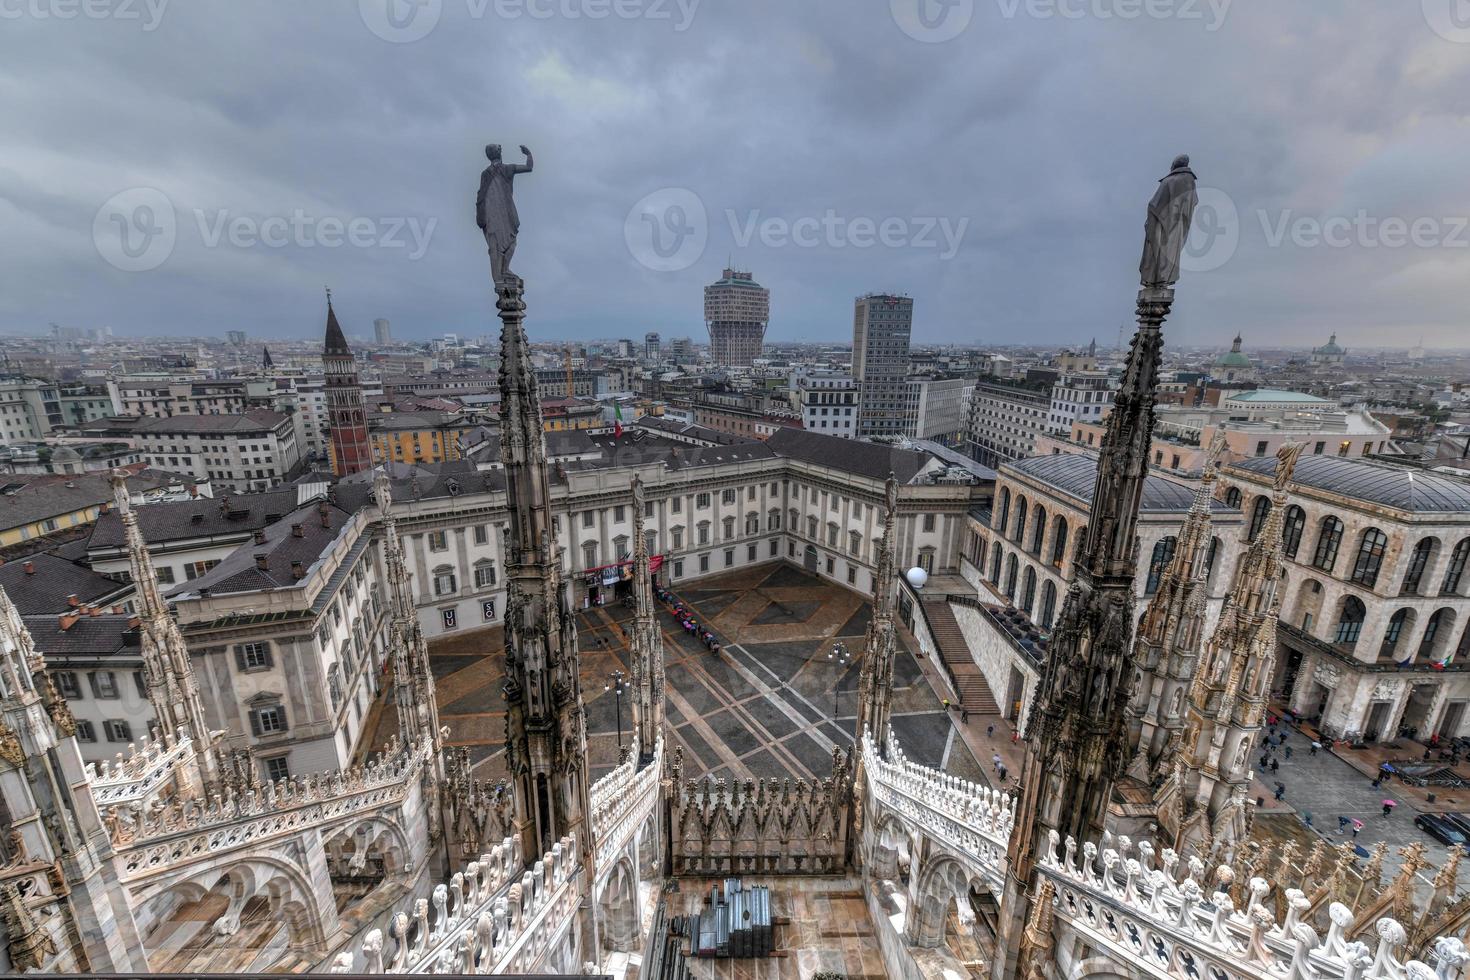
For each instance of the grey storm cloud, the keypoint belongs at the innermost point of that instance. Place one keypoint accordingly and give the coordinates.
(193, 166)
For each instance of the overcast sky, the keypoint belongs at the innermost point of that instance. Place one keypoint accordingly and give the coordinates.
(199, 166)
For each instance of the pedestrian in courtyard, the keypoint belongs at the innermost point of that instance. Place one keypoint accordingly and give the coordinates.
(1388, 806)
(1002, 773)
(1287, 752)
(964, 715)
(1275, 764)
(990, 731)
(1315, 746)
(1342, 824)
(1265, 760)
(1357, 826)
(995, 761)
(1280, 790)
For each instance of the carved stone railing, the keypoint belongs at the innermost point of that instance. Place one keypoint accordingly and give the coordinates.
(1161, 921)
(156, 840)
(134, 778)
(972, 821)
(621, 801)
(496, 916)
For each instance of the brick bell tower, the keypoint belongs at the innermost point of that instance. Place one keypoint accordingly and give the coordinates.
(347, 420)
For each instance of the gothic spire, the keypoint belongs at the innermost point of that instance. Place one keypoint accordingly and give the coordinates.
(545, 721)
(875, 680)
(413, 680)
(168, 670)
(336, 342)
(647, 647)
(1077, 732)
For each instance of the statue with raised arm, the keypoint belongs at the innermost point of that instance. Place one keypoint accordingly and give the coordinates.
(1166, 229)
(495, 211)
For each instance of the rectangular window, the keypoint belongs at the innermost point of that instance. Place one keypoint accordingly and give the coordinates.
(117, 730)
(729, 557)
(677, 505)
(277, 769)
(253, 656)
(727, 496)
(438, 541)
(704, 563)
(678, 568)
(482, 534)
(701, 501)
(449, 618)
(587, 518)
(85, 731)
(104, 684)
(487, 609)
(928, 522)
(484, 576)
(750, 552)
(164, 573)
(68, 685)
(618, 513)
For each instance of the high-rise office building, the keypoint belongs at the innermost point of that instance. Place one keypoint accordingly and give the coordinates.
(881, 326)
(384, 334)
(681, 350)
(736, 310)
(652, 347)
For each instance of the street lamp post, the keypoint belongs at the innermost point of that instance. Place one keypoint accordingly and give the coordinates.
(617, 687)
(837, 655)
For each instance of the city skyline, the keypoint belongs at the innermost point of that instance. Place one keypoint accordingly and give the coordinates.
(344, 165)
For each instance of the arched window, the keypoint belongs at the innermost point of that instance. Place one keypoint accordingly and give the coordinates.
(1059, 530)
(1019, 532)
(1210, 555)
(1163, 554)
(1294, 523)
(1003, 512)
(1259, 510)
(1370, 557)
(1028, 590)
(1329, 539)
(1048, 605)
(1350, 622)
(1011, 577)
(1393, 633)
(1038, 530)
(1418, 562)
(1455, 571)
(995, 555)
(1232, 496)
(1437, 624)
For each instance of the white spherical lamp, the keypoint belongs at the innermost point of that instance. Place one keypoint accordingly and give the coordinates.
(916, 577)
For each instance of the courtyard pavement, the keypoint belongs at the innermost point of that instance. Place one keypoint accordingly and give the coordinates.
(770, 704)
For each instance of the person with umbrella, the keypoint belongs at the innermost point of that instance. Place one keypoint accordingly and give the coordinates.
(1357, 826)
(1388, 806)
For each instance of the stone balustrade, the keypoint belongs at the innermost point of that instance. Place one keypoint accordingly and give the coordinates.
(134, 778)
(621, 801)
(496, 916)
(157, 838)
(1170, 921)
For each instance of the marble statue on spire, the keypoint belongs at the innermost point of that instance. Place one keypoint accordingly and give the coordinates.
(495, 210)
(1166, 230)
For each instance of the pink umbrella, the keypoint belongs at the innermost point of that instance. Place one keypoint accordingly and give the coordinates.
(1390, 803)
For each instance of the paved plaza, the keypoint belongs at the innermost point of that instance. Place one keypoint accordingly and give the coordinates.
(770, 704)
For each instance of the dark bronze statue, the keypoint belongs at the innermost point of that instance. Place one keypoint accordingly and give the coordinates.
(495, 210)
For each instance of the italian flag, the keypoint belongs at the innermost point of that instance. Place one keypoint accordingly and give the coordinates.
(617, 420)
